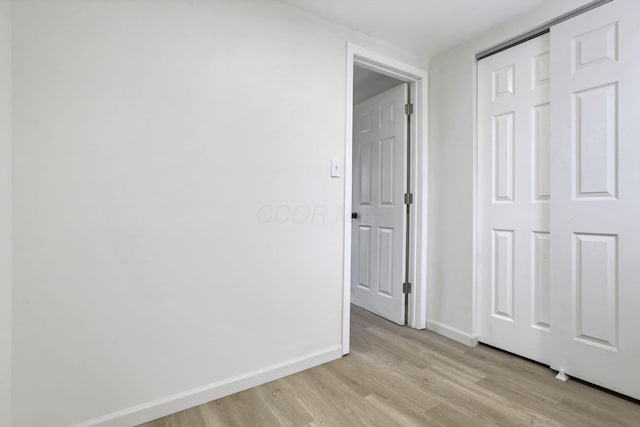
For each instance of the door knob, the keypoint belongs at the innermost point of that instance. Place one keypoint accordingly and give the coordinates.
(354, 215)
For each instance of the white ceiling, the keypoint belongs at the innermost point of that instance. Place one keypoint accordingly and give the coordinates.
(367, 83)
(363, 77)
(422, 27)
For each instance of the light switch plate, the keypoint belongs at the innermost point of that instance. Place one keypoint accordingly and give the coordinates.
(337, 168)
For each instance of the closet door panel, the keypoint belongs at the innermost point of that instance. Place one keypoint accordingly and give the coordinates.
(595, 182)
(513, 200)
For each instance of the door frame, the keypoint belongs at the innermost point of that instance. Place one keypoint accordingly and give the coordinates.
(418, 146)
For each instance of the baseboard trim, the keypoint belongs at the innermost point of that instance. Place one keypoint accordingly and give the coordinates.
(197, 396)
(452, 333)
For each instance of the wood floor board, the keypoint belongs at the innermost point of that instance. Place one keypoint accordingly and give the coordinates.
(397, 376)
(400, 415)
(213, 415)
(362, 412)
(396, 347)
(187, 418)
(284, 405)
(393, 380)
(552, 409)
(248, 409)
(447, 416)
(394, 389)
(481, 404)
(324, 410)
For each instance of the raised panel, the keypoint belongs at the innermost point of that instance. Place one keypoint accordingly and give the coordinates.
(364, 122)
(595, 258)
(364, 256)
(540, 70)
(595, 47)
(388, 113)
(366, 159)
(385, 261)
(503, 82)
(387, 150)
(503, 157)
(541, 155)
(502, 273)
(541, 280)
(595, 142)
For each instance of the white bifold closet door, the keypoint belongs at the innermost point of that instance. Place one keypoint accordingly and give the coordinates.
(559, 198)
(513, 200)
(595, 183)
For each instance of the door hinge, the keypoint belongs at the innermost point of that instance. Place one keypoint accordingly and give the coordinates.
(408, 109)
(408, 198)
(406, 288)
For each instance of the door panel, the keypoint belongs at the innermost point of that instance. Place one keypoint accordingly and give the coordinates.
(379, 179)
(541, 280)
(513, 200)
(595, 181)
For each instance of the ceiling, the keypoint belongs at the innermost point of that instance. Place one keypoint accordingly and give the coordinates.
(363, 78)
(422, 27)
(367, 83)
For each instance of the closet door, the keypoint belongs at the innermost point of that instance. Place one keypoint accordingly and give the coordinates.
(513, 200)
(595, 182)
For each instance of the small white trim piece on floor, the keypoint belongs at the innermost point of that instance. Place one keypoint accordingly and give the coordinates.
(452, 333)
(562, 376)
(178, 402)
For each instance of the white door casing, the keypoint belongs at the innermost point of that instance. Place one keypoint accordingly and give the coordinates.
(513, 200)
(379, 182)
(595, 182)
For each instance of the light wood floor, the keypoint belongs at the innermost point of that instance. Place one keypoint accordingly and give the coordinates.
(396, 376)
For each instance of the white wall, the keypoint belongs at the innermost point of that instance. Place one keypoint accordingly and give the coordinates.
(160, 151)
(451, 172)
(371, 87)
(5, 213)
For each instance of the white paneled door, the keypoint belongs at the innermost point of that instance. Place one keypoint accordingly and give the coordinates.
(513, 200)
(379, 181)
(595, 184)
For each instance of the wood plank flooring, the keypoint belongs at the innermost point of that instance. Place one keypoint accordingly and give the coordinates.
(397, 376)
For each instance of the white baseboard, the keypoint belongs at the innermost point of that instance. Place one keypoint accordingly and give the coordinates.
(452, 333)
(197, 396)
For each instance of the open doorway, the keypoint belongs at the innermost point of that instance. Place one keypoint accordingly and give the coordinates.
(385, 190)
(381, 194)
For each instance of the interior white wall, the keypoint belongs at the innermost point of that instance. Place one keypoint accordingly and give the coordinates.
(175, 219)
(452, 109)
(5, 214)
(376, 87)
